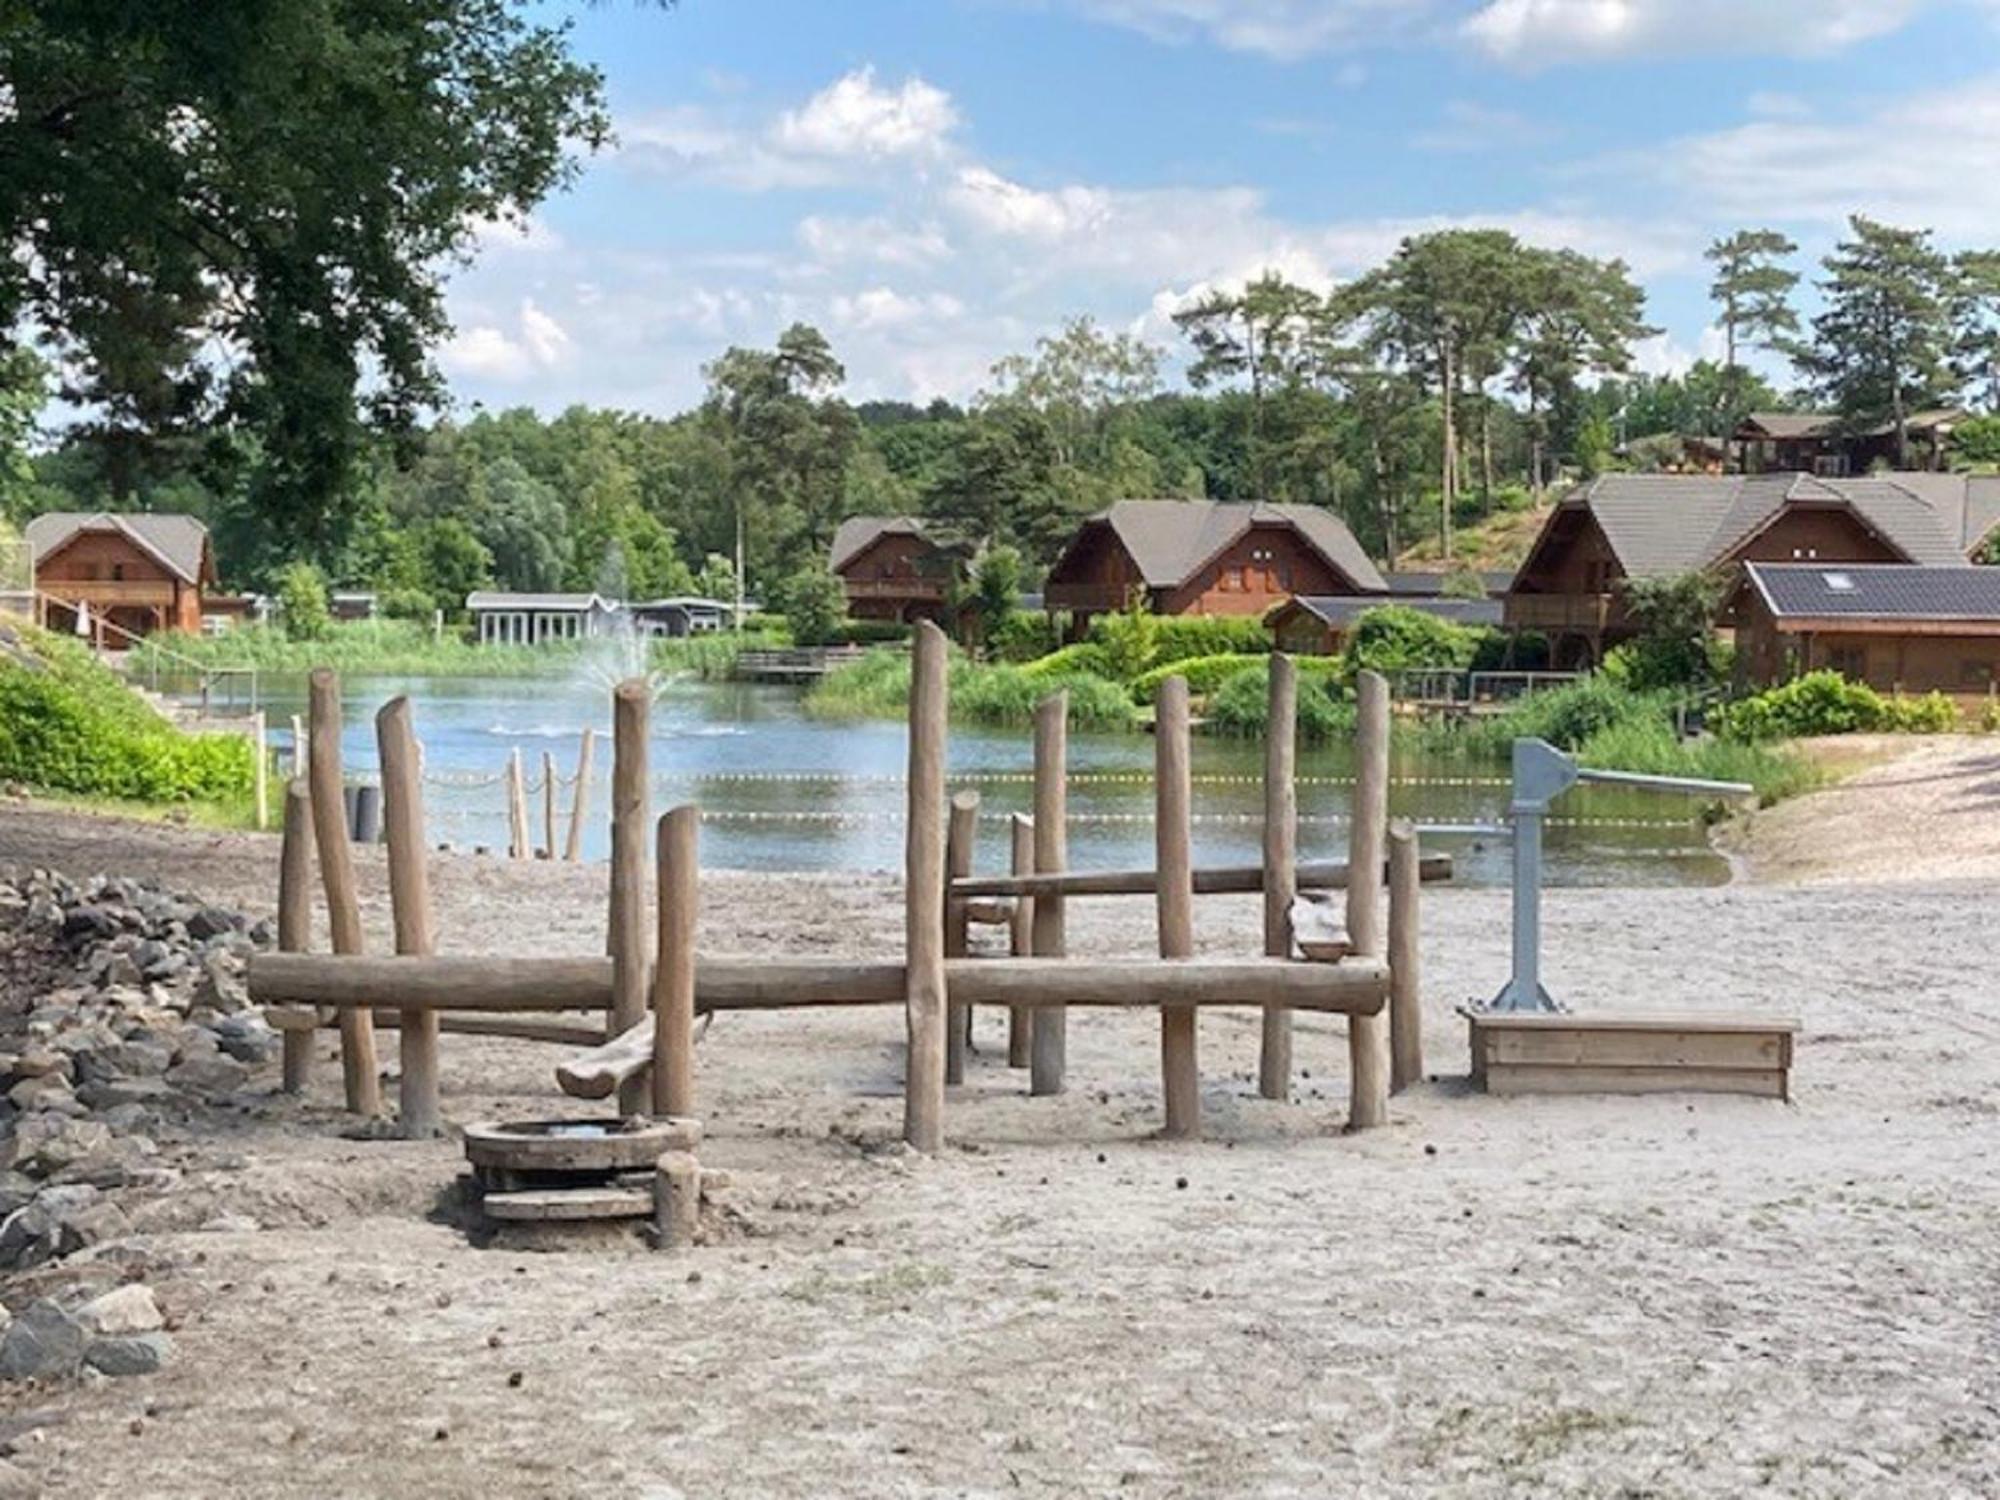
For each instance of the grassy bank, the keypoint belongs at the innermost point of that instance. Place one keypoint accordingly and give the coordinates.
(397, 648)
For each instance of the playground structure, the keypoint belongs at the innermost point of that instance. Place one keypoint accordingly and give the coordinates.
(648, 1059)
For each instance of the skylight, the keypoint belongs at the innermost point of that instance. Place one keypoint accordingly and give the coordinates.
(1840, 583)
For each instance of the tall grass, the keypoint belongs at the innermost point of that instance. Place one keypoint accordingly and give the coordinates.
(878, 686)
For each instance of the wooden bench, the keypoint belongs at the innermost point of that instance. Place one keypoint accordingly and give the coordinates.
(1539, 1053)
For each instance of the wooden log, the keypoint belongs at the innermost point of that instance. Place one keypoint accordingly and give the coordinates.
(518, 846)
(628, 931)
(579, 808)
(1173, 829)
(1310, 875)
(676, 1200)
(961, 829)
(1280, 870)
(988, 911)
(673, 970)
(923, 896)
(295, 862)
(485, 984)
(1406, 1021)
(1021, 938)
(605, 1068)
(260, 770)
(294, 1019)
(1048, 1047)
(410, 905)
(549, 805)
(1368, 1037)
(336, 872)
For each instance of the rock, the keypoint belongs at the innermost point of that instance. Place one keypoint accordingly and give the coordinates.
(209, 1075)
(44, 1343)
(122, 1310)
(88, 923)
(49, 1091)
(119, 969)
(248, 1038)
(38, 1062)
(131, 1354)
(155, 960)
(131, 1058)
(221, 986)
(17, 1190)
(211, 921)
(114, 1095)
(265, 933)
(231, 1224)
(47, 1227)
(43, 1144)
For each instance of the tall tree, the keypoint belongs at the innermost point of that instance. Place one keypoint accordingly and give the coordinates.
(1883, 347)
(1753, 291)
(1078, 379)
(1259, 334)
(1978, 317)
(227, 213)
(1579, 317)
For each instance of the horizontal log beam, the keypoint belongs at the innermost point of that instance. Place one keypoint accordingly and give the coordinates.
(1353, 987)
(600, 1072)
(1316, 875)
(520, 1028)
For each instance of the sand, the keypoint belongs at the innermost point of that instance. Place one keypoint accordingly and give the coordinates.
(1669, 1296)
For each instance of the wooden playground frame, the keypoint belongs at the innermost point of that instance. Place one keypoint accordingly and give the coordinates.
(648, 1058)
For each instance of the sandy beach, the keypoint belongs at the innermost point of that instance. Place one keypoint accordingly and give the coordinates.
(1666, 1296)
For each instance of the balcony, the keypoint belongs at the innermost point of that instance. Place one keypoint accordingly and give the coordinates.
(108, 591)
(1592, 614)
(1087, 598)
(922, 590)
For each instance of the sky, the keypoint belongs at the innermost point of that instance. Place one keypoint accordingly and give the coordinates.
(937, 183)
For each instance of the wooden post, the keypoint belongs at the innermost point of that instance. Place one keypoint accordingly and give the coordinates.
(410, 904)
(924, 998)
(1021, 938)
(673, 970)
(518, 846)
(298, 745)
(960, 831)
(676, 1200)
(1406, 1022)
(336, 873)
(295, 863)
(1281, 838)
(1368, 1036)
(1049, 1048)
(630, 820)
(579, 810)
(261, 770)
(549, 805)
(1180, 1070)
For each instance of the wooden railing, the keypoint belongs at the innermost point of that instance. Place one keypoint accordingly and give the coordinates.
(1591, 612)
(108, 590)
(930, 590)
(1087, 596)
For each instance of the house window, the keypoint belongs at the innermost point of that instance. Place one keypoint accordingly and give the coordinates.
(1849, 661)
(118, 572)
(1233, 580)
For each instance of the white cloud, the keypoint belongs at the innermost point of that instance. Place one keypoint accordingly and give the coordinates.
(1001, 206)
(834, 239)
(531, 235)
(1468, 126)
(486, 351)
(1283, 29)
(1540, 32)
(852, 117)
(1924, 160)
(883, 307)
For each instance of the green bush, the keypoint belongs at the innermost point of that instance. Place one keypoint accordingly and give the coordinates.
(1651, 747)
(302, 602)
(815, 606)
(1934, 713)
(1569, 715)
(1204, 674)
(68, 724)
(878, 686)
(1021, 636)
(1242, 706)
(1817, 703)
(1177, 637)
(870, 632)
(1395, 638)
(1083, 657)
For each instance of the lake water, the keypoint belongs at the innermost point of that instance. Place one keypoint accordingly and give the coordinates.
(782, 791)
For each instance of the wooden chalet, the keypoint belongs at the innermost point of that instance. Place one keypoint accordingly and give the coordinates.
(1623, 526)
(119, 575)
(896, 567)
(1823, 444)
(1897, 628)
(1207, 557)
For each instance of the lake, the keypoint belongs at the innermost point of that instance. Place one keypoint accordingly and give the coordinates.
(780, 790)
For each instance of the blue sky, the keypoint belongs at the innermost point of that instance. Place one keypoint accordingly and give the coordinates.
(937, 184)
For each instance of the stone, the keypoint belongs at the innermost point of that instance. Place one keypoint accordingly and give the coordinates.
(47, 1227)
(209, 1075)
(43, 1144)
(119, 969)
(122, 1310)
(38, 1062)
(131, 1058)
(113, 1095)
(49, 1091)
(221, 986)
(43, 1343)
(88, 923)
(231, 1224)
(248, 1038)
(129, 1354)
(211, 921)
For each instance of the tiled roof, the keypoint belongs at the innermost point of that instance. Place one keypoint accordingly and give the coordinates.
(177, 541)
(499, 599)
(1881, 591)
(1171, 539)
(857, 533)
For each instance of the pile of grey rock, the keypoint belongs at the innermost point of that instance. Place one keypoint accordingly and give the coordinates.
(123, 1013)
(119, 1332)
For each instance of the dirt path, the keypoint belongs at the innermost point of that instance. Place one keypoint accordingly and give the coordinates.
(1572, 1297)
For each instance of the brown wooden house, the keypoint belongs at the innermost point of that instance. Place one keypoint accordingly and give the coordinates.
(1207, 557)
(1623, 526)
(128, 575)
(1821, 443)
(1897, 628)
(896, 567)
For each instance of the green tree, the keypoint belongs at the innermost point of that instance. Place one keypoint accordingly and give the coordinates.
(226, 213)
(1078, 381)
(996, 589)
(1675, 616)
(1261, 334)
(1882, 348)
(456, 563)
(1753, 291)
(815, 603)
(1977, 348)
(302, 602)
(24, 377)
(1579, 317)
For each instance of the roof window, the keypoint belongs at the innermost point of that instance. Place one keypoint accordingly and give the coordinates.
(1840, 583)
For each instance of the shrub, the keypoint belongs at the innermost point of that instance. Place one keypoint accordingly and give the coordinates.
(1933, 713)
(878, 686)
(303, 603)
(1179, 636)
(870, 632)
(1569, 715)
(1651, 747)
(1395, 638)
(1818, 703)
(1130, 640)
(1083, 657)
(1022, 636)
(1675, 646)
(1242, 706)
(1204, 674)
(815, 604)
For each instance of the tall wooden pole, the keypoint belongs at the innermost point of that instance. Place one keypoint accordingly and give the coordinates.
(298, 745)
(410, 903)
(960, 830)
(923, 897)
(336, 873)
(629, 931)
(579, 809)
(261, 769)
(1406, 1022)
(1021, 938)
(518, 846)
(1048, 1052)
(1281, 884)
(1180, 1072)
(549, 805)
(295, 869)
(1368, 1036)
(673, 971)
